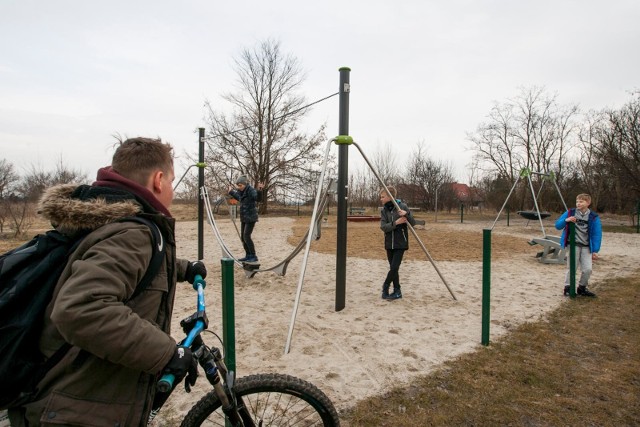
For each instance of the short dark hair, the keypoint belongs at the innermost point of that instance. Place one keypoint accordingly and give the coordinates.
(391, 189)
(137, 158)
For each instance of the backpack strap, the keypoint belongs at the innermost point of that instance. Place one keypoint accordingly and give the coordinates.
(152, 270)
(157, 256)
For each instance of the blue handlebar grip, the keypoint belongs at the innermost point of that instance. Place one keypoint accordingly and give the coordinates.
(198, 280)
(165, 384)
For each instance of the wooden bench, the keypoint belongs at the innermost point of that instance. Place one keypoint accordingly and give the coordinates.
(357, 211)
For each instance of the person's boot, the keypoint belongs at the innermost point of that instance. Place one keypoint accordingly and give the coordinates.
(244, 258)
(396, 294)
(566, 291)
(385, 291)
(252, 258)
(582, 290)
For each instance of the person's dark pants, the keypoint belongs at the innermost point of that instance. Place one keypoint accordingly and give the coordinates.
(246, 228)
(394, 256)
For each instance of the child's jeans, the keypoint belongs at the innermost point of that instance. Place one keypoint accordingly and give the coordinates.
(583, 263)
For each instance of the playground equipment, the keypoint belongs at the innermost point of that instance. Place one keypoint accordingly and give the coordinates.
(552, 250)
(251, 269)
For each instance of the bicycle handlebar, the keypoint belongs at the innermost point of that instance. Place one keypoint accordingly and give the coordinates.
(165, 384)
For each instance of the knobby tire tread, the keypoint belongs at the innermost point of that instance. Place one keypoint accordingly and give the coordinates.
(277, 383)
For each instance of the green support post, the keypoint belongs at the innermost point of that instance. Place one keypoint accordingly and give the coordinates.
(572, 260)
(228, 315)
(461, 213)
(486, 284)
(638, 216)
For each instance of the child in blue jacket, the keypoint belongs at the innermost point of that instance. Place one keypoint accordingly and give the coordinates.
(588, 239)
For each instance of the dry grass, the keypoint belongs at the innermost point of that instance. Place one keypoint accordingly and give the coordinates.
(579, 368)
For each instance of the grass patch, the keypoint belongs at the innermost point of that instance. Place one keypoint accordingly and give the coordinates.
(581, 367)
(629, 229)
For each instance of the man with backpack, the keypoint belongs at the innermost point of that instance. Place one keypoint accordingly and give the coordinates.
(117, 335)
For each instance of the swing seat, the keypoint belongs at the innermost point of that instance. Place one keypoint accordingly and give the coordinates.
(553, 252)
(533, 215)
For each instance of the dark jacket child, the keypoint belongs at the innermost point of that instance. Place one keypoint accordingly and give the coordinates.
(248, 197)
(396, 239)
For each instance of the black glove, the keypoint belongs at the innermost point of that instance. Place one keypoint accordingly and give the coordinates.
(180, 364)
(192, 375)
(194, 268)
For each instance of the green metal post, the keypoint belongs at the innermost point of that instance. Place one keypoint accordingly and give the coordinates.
(572, 260)
(486, 284)
(507, 217)
(200, 199)
(342, 193)
(638, 215)
(228, 314)
(461, 212)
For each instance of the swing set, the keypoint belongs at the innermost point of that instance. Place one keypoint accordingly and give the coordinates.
(552, 250)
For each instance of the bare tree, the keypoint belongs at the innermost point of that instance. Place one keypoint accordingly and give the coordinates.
(261, 138)
(613, 138)
(385, 162)
(494, 142)
(530, 131)
(8, 179)
(430, 175)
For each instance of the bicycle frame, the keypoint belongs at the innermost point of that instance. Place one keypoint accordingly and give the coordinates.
(210, 359)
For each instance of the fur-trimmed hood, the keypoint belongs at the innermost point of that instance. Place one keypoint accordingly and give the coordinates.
(71, 207)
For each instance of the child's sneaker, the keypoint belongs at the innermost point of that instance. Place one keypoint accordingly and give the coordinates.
(385, 291)
(582, 290)
(396, 294)
(566, 291)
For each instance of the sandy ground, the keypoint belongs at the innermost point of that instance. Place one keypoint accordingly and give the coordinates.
(372, 344)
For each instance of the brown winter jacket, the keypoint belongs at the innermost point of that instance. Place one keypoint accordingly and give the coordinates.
(120, 345)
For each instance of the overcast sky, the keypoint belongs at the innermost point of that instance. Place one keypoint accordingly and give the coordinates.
(74, 73)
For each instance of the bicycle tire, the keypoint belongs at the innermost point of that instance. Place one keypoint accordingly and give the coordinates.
(281, 400)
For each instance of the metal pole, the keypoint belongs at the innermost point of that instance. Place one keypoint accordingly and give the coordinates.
(228, 314)
(486, 284)
(461, 213)
(535, 202)
(507, 199)
(413, 231)
(572, 260)
(343, 178)
(437, 204)
(201, 198)
(306, 251)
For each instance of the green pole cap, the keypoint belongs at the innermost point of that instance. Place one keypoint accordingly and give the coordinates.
(343, 139)
(344, 69)
(525, 172)
(201, 165)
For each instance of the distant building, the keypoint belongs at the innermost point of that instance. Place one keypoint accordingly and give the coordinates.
(471, 197)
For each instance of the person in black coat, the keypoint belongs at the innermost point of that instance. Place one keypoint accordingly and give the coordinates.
(248, 197)
(393, 222)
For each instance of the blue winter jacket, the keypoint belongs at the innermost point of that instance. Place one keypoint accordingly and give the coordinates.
(595, 229)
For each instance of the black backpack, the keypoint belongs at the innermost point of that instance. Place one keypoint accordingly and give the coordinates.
(28, 276)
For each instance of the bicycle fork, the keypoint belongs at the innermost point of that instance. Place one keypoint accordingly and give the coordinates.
(213, 366)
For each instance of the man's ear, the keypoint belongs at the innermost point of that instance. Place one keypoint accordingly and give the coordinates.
(156, 181)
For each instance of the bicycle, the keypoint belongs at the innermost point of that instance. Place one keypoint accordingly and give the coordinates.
(256, 400)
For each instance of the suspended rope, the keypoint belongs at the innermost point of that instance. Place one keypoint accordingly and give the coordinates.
(272, 120)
